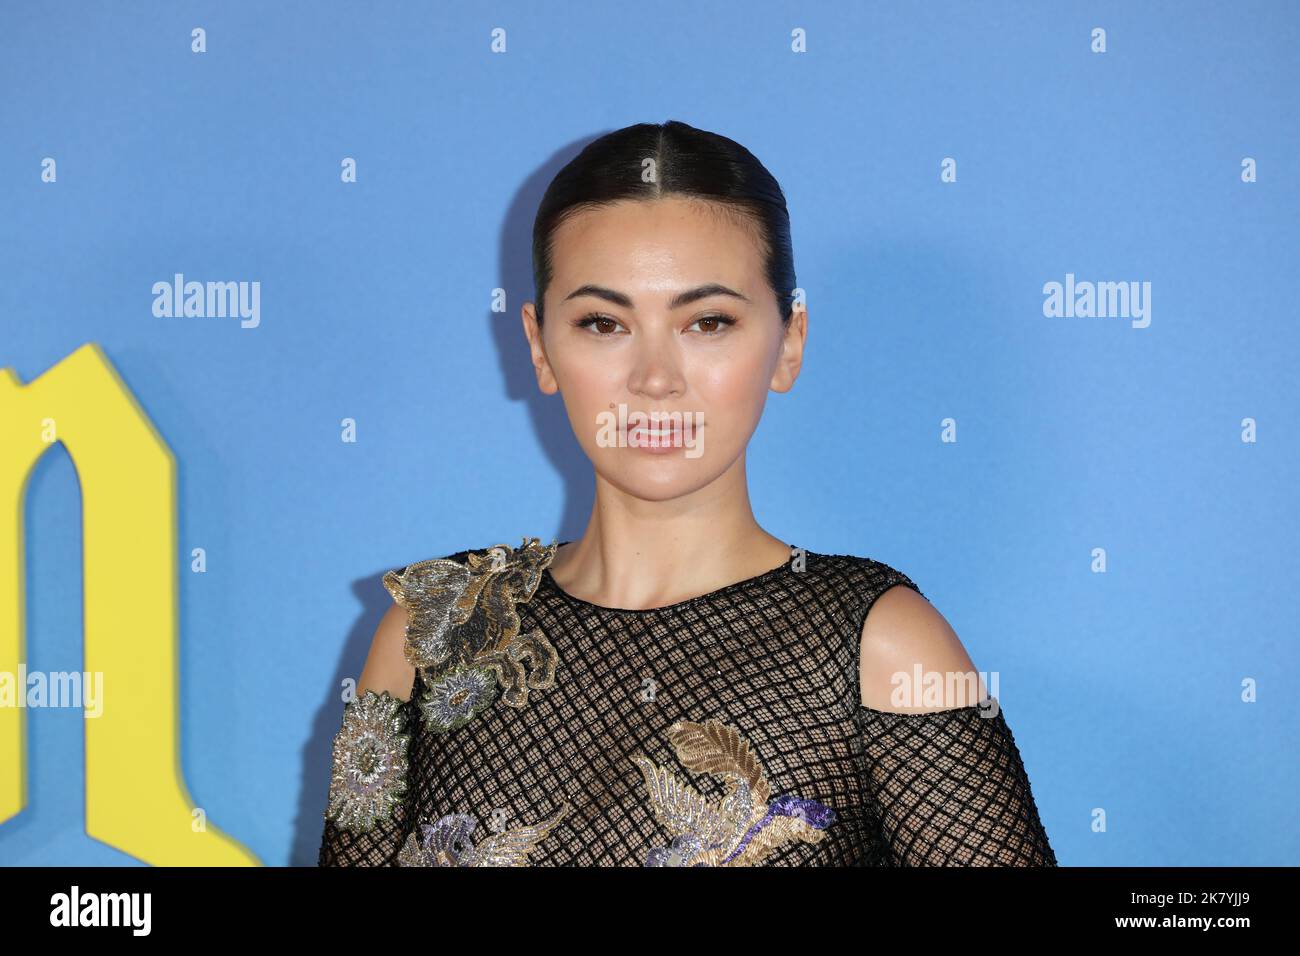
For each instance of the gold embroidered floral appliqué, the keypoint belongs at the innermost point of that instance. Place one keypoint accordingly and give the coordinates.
(742, 828)
(449, 842)
(462, 630)
(368, 780)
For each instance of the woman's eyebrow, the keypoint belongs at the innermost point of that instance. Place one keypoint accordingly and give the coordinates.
(677, 301)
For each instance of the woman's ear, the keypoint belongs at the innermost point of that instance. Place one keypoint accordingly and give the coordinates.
(541, 365)
(790, 360)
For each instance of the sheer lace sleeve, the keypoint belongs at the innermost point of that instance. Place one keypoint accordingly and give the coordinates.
(371, 810)
(950, 789)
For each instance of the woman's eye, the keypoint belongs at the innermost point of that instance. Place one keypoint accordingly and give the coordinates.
(714, 324)
(602, 323)
(606, 326)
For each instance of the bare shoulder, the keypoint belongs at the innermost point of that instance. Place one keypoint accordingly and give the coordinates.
(904, 633)
(387, 668)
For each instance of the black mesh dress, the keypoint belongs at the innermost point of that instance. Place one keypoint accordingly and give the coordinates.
(724, 730)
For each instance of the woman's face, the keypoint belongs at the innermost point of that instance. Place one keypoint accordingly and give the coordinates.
(613, 337)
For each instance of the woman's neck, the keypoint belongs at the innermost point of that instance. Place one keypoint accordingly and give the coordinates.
(640, 554)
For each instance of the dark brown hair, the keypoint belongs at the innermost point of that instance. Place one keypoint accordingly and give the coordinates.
(688, 162)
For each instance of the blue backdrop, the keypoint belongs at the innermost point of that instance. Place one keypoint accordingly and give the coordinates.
(1168, 160)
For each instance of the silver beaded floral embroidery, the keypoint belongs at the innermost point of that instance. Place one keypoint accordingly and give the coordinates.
(458, 698)
(370, 762)
(462, 630)
(449, 842)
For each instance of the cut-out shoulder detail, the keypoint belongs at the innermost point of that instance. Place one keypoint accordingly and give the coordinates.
(461, 641)
(386, 667)
(908, 649)
(875, 579)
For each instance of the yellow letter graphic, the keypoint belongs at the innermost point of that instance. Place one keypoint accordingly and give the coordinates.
(136, 799)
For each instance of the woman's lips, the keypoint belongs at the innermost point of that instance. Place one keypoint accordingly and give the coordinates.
(665, 437)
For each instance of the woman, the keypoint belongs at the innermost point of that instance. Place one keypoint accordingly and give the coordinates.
(678, 686)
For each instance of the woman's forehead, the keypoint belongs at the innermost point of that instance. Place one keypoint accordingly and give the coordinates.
(659, 248)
